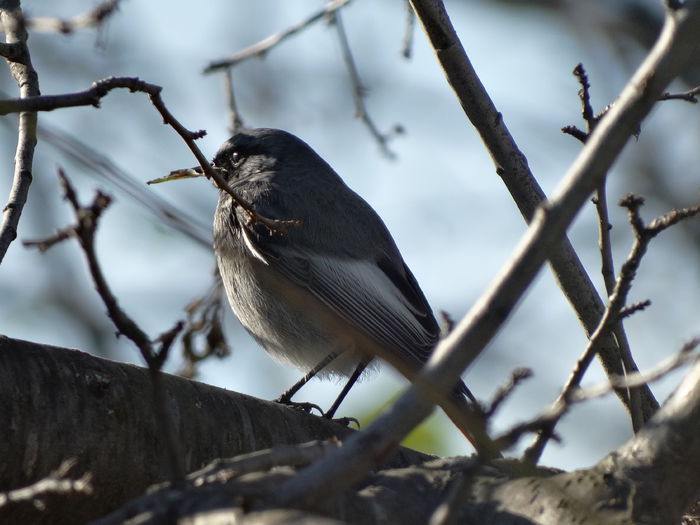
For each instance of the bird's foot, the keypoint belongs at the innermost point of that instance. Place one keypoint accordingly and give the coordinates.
(344, 421)
(303, 406)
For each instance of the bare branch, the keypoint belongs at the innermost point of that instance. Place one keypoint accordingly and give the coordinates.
(99, 89)
(517, 376)
(95, 17)
(84, 230)
(28, 82)
(407, 47)
(57, 482)
(677, 44)
(684, 356)
(584, 94)
(548, 418)
(235, 121)
(512, 166)
(359, 91)
(262, 47)
(204, 316)
(632, 399)
(688, 96)
(616, 303)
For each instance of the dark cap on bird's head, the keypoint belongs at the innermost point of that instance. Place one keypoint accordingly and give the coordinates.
(254, 150)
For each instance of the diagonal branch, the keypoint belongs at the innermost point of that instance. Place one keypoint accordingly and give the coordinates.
(95, 17)
(100, 89)
(512, 166)
(359, 91)
(84, 230)
(676, 45)
(261, 48)
(614, 310)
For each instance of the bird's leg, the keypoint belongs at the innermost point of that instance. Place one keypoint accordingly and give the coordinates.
(344, 392)
(286, 397)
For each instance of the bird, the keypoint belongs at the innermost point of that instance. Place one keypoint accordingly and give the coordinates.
(331, 292)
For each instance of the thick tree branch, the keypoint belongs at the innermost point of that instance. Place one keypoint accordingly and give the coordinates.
(676, 45)
(97, 411)
(512, 166)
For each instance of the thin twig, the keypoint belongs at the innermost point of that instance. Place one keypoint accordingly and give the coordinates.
(24, 74)
(204, 316)
(585, 96)
(407, 46)
(549, 417)
(636, 379)
(261, 48)
(608, 271)
(604, 243)
(84, 230)
(235, 121)
(517, 376)
(688, 96)
(95, 17)
(99, 89)
(57, 482)
(589, 117)
(633, 399)
(643, 236)
(359, 91)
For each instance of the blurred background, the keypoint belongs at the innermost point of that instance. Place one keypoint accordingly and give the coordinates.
(440, 196)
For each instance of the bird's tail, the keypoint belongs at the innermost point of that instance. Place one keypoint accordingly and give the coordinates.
(469, 419)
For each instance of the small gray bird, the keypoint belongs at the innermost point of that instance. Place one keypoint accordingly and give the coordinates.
(329, 294)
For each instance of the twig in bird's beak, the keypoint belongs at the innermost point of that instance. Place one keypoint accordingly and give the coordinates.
(187, 173)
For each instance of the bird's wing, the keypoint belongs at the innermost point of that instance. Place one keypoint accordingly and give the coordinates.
(381, 298)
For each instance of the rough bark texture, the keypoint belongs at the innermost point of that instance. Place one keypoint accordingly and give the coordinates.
(61, 403)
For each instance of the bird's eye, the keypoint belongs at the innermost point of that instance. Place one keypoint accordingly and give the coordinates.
(235, 157)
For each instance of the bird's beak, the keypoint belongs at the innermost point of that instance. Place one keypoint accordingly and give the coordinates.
(187, 173)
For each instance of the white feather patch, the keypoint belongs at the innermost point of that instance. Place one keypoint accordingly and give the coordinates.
(251, 247)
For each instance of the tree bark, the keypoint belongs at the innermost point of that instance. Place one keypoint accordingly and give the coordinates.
(60, 404)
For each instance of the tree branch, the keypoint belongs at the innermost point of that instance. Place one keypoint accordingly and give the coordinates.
(261, 48)
(99, 89)
(95, 17)
(633, 397)
(93, 409)
(512, 166)
(17, 53)
(676, 45)
(87, 220)
(615, 307)
(359, 91)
